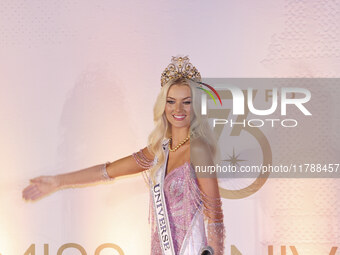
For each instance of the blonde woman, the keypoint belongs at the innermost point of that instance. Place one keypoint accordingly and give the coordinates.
(186, 213)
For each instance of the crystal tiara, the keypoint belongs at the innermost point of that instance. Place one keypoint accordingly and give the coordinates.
(180, 67)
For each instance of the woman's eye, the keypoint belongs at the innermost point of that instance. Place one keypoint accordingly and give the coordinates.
(170, 101)
(187, 102)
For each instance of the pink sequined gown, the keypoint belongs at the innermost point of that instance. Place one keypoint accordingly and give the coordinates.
(183, 201)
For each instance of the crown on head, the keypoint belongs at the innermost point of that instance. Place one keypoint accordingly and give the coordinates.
(180, 67)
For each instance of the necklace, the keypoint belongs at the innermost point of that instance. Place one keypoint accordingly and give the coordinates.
(179, 145)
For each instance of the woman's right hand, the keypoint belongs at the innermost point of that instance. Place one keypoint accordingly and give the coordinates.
(40, 187)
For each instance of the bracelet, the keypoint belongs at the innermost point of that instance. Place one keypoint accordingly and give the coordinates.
(104, 173)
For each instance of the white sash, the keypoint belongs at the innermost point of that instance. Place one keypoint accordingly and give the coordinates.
(163, 224)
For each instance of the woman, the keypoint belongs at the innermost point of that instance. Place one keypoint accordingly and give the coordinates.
(185, 210)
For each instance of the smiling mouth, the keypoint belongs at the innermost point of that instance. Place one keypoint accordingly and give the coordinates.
(179, 117)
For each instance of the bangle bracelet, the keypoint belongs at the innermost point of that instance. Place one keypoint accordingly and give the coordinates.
(104, 173)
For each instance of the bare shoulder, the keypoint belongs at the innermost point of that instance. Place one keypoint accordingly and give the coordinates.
(200, 152)
(202, 156)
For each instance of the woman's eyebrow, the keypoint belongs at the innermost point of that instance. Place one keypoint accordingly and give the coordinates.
(182, 99)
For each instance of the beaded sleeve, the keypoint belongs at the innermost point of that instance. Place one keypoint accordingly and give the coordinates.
(142, 160)
(144, 163)
(211, 207)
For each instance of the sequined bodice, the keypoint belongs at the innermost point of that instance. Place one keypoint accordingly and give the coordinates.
(180, 204)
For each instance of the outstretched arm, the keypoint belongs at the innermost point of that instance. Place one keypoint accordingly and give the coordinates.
(44, 185)
(132, 164)
(102, 172)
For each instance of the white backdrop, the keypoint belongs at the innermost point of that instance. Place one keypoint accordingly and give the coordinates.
(78, 83)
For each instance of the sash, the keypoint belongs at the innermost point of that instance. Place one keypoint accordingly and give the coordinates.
(163, 225)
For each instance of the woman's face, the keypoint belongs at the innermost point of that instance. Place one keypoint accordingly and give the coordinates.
(178, 106)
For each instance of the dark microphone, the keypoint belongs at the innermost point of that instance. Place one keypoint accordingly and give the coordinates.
(207, 251)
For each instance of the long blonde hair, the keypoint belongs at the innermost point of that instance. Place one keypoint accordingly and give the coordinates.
(199, 126)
